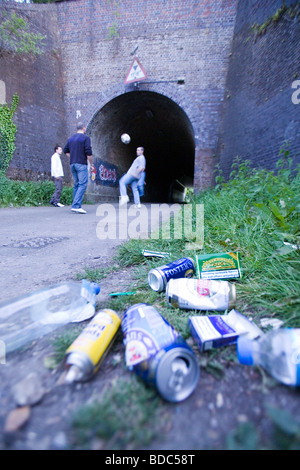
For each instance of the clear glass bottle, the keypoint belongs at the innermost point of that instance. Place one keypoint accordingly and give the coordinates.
(277, 351)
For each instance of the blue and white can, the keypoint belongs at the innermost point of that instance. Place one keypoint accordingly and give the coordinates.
(159, 277)
(158, 354)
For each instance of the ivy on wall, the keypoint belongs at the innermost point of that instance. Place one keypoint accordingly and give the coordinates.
(7, 134)
(16, 37)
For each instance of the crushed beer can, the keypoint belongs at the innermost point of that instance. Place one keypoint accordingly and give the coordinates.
(219, 266)
(87, 352)
(158, 354)
(214, 331)
(159, 277)
(155, 254)
(200, 294)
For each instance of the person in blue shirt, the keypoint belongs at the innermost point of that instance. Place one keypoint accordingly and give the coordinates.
(79, 149)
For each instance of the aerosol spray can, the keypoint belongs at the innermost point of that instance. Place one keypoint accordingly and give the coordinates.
(159, 277)
(158, 354)
(86, 353)
(201, 294)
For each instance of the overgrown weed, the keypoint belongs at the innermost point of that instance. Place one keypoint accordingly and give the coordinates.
(256, 212)
(15, 193)
(128, 415)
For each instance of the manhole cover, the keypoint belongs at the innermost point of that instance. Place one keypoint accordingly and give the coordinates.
(37, 242)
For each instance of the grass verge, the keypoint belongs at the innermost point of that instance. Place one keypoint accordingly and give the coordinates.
(30, 193)
(255, 213)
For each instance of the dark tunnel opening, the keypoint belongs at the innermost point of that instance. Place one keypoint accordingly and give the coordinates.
(156, 123)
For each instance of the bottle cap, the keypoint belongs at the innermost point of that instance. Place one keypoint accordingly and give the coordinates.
(245, 350)
(95, 287)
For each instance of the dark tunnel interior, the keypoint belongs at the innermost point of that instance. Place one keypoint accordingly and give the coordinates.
(156, 123)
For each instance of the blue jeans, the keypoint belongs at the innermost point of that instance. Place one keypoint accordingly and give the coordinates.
(80, 177)
(128, 179)
(141, 183)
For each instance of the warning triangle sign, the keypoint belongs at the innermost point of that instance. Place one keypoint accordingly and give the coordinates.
(136, 72)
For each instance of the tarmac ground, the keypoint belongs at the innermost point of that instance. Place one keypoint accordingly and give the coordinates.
(41, 245)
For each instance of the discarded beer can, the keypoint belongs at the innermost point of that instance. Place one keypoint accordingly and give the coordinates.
(201, 294)
(159, 277)
(86, 353)
(219, 266)
(155, 254)
(158, 354)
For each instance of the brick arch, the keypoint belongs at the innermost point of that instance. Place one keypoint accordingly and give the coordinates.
(168, 90)
(203, 170)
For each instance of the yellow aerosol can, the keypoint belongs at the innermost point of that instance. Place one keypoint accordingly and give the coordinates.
(86, 353)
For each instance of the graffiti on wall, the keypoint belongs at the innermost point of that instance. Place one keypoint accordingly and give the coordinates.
(104, 173)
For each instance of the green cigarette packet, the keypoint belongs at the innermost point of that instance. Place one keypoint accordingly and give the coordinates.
(219, 266)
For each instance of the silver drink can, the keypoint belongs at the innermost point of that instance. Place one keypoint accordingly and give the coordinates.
(155, 254)
(174, 371)
(159, 277)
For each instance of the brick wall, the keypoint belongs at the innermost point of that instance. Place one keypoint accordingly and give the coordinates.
(37, 80)
(259, 115)
(237, 92)
(172, 39)
(85, 64)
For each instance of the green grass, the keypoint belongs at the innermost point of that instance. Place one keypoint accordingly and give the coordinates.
(285, 434)
(95, 274)
(61, 342)
(128, 414)
(30, 193)
(254, 213)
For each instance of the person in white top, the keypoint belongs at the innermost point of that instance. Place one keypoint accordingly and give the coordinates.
(57, 174)
(132, 177)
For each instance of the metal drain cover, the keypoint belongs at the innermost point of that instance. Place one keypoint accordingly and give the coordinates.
(36, 242)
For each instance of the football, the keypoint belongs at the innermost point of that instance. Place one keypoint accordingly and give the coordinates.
(125, 138)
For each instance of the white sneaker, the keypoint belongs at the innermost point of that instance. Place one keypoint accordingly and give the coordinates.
(79, 211)
(123, 200)
(138, 206)
(60, 205)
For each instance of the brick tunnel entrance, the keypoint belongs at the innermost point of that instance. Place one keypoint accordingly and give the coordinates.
(156, 123)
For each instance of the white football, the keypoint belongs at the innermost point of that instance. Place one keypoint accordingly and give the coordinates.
(125, 138)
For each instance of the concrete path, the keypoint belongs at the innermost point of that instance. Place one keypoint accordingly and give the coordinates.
(43, 245)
